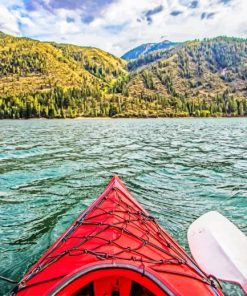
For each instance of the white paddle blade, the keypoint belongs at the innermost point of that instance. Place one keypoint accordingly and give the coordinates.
(219, 248)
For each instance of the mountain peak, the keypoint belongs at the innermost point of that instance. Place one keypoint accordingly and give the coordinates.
(147, 48)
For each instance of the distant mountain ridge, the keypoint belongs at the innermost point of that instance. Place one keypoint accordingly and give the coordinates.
(147, 48)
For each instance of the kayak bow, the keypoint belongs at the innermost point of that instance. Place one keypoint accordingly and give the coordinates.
(116, 248)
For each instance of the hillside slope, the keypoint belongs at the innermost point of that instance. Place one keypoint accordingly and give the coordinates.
(211, 66)
(97, 62)
(28, 65)
(196, 71)
(52, 80)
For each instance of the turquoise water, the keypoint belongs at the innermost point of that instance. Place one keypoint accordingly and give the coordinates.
(50, 170)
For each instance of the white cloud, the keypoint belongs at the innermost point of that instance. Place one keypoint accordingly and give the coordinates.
(122, 25)
(8, 21)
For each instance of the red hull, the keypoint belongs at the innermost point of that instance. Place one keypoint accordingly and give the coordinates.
(115, 248)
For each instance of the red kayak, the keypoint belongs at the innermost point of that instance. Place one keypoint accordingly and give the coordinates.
(116, 248)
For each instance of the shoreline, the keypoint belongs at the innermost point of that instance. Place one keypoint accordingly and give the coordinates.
(114, 118)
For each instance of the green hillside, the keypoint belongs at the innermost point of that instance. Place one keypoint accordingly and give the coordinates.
(53, 80)
(96, 61)
(197, 78)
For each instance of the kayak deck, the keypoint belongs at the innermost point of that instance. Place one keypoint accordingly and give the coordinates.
(115, 248)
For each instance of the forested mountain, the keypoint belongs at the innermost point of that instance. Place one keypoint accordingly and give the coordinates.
(53, 80)
(196, 78)
(29, 65)
(209, 75)
(147, 48)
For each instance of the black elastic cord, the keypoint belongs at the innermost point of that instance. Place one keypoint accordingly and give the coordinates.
(39, 283)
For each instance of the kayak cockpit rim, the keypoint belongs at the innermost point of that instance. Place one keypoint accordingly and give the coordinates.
(145, 274)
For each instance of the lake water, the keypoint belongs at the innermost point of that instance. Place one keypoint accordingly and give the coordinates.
(50, 170)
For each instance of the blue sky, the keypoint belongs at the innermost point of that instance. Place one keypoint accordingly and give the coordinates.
(119, 25)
